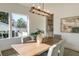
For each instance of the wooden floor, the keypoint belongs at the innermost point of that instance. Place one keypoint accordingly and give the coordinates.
(67, 52)
(9, 52)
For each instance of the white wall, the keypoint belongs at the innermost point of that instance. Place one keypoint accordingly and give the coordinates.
(65, 10)
(37, 21)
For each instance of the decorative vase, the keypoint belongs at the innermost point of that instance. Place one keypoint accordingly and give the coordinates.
(40, 38)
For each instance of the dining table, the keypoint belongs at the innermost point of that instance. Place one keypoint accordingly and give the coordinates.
(33, 48)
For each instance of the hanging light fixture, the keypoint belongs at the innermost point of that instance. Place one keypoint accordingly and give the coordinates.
(40, 11)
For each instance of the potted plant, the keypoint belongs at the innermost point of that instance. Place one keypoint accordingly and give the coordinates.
(38, 35)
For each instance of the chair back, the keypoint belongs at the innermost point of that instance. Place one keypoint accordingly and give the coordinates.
(61, 49)
(57, 36)
(56, 49)
(25, 39)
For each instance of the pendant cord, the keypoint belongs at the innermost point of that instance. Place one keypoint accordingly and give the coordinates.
(43, 5)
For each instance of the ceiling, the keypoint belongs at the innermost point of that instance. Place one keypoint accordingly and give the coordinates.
(52, 7)
(46, 6)
(26, 4)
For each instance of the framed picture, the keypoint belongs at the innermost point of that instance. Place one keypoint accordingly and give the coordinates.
(70, 24)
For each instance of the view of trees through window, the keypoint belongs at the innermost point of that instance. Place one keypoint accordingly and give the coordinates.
(4, 17)
(19, 22)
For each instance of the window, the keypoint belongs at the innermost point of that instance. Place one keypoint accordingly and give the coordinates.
(4, 31)
(17, 25)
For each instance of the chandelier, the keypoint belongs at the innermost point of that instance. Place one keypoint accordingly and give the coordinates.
(40, 11)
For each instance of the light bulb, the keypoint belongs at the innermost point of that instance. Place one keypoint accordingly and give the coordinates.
(38, 7)
(47, 11)
(44, 9)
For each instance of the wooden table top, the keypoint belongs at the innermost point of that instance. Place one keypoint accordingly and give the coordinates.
(30, 49)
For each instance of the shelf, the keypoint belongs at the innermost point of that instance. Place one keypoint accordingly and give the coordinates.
(50, 25)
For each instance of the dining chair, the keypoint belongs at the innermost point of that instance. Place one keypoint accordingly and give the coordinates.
(57, 36)
(53, 51)
(27, 39)
(56, 49)
(61, 49)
